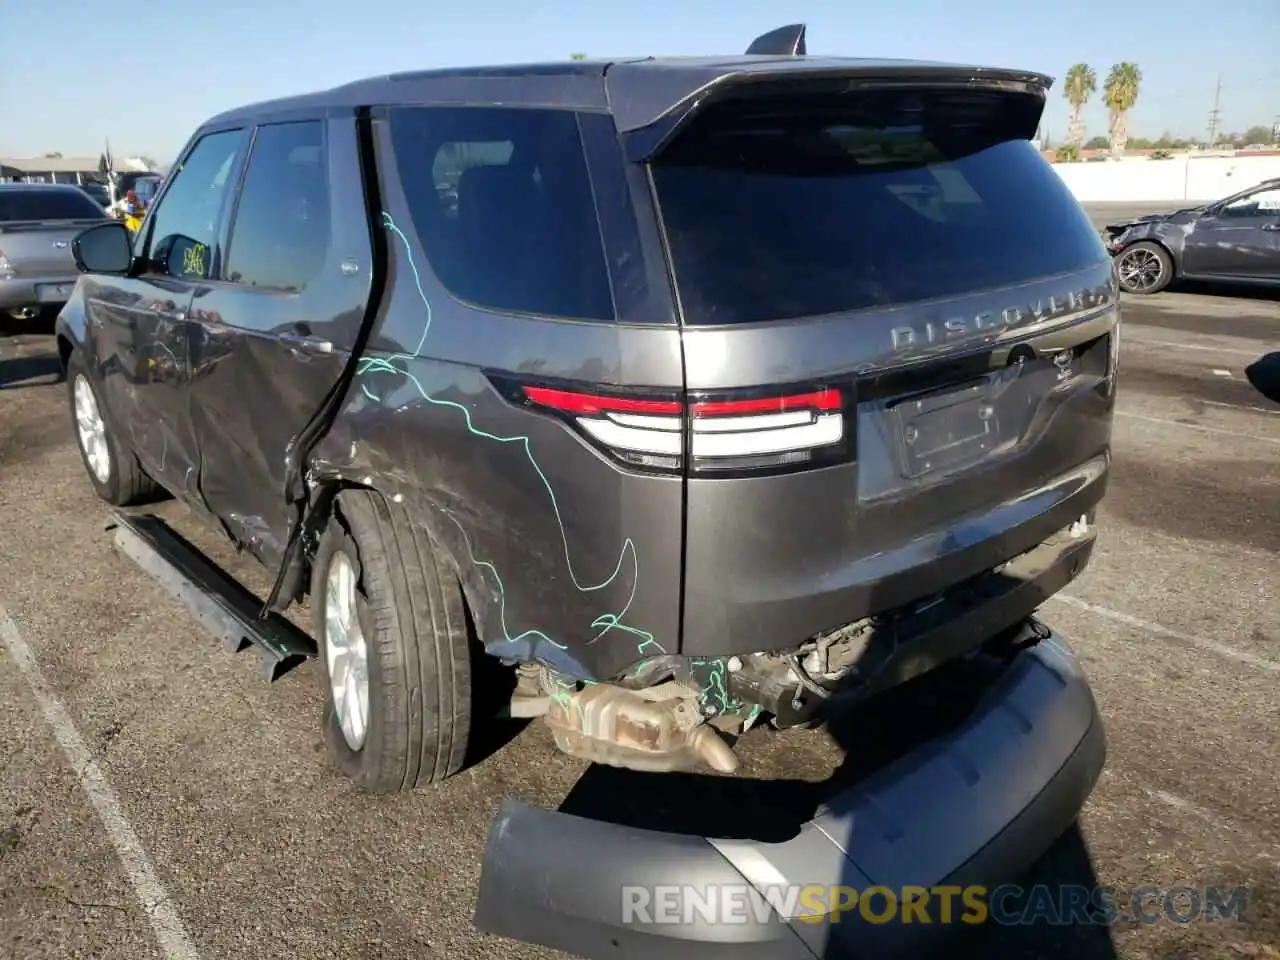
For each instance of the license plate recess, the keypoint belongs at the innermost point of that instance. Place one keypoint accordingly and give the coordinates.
(948, 429)
(54, 292)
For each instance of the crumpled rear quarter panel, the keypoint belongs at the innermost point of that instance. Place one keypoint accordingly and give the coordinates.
(565, 557)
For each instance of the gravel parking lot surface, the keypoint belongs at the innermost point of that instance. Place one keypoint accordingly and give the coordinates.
(126, 728)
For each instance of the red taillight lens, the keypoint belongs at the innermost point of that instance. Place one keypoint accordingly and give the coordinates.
(590, 404)
(765, 432)
(722, 433)
(640, 431)
(817, 400)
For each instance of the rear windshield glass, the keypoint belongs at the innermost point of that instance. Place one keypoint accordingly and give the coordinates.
(781, 206)
(24, 204)
(145, 188)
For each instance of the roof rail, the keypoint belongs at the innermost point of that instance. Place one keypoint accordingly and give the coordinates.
(786, 41)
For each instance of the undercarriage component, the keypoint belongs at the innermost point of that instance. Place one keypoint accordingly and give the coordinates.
(228, 610)
(862, 659)
(528, 699)
(659, 729)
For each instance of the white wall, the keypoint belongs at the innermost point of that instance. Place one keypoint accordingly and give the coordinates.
(1138, 180)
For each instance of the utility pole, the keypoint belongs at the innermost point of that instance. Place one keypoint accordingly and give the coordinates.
(1215, 114)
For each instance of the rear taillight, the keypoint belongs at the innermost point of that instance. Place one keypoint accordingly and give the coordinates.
(718, 433)
(764, 432)
(645, 432)
(6, 268)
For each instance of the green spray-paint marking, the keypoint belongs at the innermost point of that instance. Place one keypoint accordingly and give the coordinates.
(715, 691)
(605, 622)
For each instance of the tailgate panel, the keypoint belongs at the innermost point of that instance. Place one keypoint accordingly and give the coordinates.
(902, 247)
(953, 474)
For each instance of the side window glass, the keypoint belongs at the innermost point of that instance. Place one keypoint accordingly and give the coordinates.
(280, 234)
(1268, 202)
(502, 203)
(184, 226)
(1264, 203)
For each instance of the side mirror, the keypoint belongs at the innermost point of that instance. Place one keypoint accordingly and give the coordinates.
(104, 248)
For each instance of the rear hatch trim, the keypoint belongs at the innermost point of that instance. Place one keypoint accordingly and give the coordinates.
(651, 105)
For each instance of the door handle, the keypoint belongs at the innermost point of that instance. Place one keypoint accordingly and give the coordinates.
(300, 342)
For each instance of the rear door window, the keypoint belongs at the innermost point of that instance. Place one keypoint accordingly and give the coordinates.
(502, 203)
(32, 203)
(785, 206)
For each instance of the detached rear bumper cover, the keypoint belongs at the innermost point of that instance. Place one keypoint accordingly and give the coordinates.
(979, 805)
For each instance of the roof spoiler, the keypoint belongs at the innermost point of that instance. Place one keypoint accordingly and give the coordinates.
(786, 41)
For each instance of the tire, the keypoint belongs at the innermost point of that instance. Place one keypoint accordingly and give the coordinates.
(414, 627)
(1149, 265)
(120, 481)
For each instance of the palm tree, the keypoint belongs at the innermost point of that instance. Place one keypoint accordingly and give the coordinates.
(1081, 84)
(577, 56)
(1120, 94)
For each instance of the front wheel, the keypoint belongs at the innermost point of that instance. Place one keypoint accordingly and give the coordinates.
(390, 620)
(1144, 268)
(115, 472)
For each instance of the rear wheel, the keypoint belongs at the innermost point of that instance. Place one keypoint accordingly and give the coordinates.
(114, 471)
(390, 620)
(1144, 268)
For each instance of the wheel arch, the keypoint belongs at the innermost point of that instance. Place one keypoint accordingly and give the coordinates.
(65, 347)
(1175, 257)
(324, 506)
(69, 333)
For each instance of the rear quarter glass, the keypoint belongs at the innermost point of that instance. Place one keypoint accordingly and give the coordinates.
(502, 203)
(803, 204)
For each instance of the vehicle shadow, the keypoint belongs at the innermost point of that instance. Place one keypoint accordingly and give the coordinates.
(492, 687)
(1222, 288)
(38, 371)
(1264, 375)
(41, 323)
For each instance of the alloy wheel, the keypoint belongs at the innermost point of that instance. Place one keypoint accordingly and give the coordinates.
(92, 430)
(1140, 270)
(346, 653)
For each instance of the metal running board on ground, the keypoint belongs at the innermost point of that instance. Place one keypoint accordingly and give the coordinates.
(223, 605)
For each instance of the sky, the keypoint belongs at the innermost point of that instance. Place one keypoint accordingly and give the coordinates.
(146, 75)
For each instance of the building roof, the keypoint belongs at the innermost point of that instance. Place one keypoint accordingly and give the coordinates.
(68, 164)
(32, 187)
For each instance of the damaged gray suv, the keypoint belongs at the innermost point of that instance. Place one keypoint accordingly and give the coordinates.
(687, 394)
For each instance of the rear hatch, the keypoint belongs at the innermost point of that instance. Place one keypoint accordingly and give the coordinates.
(898, 349)
(37, 226)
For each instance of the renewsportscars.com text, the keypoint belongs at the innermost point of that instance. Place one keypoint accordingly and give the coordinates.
(1066, 904)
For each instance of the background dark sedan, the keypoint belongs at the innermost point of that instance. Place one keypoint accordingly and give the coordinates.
(1235, 240)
